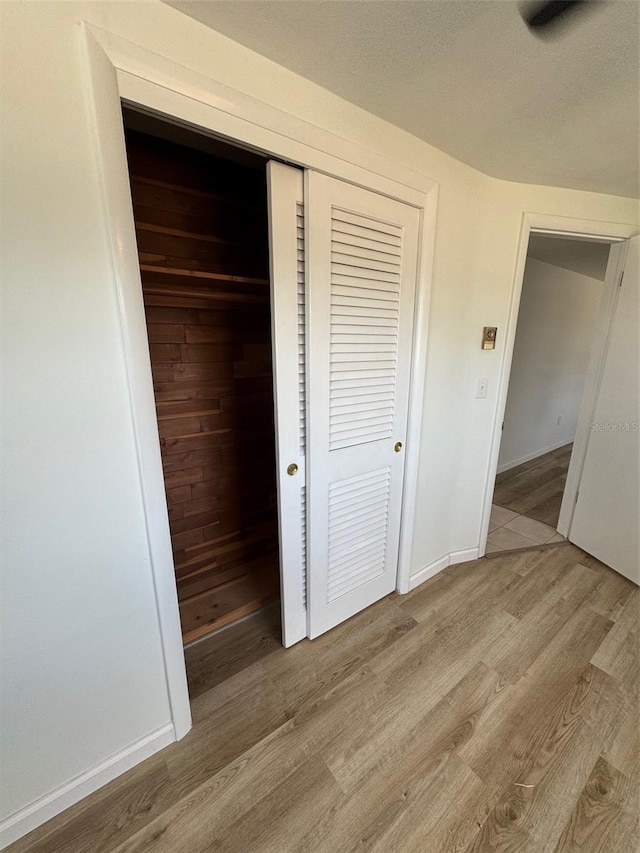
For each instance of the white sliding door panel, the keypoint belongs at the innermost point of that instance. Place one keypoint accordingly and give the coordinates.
(361, 271)
(605, 519)
(287, 255)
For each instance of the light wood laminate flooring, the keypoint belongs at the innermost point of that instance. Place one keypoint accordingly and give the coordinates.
(535, 488)
(494, 708)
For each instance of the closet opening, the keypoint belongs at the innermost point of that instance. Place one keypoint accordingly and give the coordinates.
(201, 217)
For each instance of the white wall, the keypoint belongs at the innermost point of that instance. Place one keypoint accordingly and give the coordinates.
(82, 668)
(584, 256)
(82, 663)
(556, 322)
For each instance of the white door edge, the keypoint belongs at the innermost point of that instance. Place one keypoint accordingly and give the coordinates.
(597, 357)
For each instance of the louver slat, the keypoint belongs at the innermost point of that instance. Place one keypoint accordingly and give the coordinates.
(301, 329)
(303, 513)
(302, 385)
(365, 303)
(357, 531)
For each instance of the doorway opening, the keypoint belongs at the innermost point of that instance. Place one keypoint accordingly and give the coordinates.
(200, 209)
(561, 304)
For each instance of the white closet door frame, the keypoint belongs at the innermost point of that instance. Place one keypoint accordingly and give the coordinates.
(286, 189)
(118, 70)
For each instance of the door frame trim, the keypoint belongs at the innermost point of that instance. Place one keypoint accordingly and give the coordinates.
(119, 71)
(562, 226)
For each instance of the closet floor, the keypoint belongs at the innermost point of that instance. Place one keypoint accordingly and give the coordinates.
(221, 655)
(256, 584)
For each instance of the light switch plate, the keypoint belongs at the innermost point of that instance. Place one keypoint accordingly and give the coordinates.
(483, 386)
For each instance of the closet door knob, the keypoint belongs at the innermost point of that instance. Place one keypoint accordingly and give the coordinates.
(292, 469)
(397, 446)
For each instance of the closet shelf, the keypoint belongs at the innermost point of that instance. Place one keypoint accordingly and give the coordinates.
(190, 235)
(211, 276)
(199, 193)
(170, 290)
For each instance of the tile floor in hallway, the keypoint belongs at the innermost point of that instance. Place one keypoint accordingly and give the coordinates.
(509, 531)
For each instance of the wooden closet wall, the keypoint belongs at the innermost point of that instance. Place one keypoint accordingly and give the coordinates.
(201, 224)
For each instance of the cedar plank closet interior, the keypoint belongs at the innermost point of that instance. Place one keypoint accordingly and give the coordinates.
(200, 209)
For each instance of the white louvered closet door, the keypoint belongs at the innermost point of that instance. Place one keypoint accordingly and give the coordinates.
(361, 275)
(286, 236)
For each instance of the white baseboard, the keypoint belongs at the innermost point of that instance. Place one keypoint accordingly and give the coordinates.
(506, 466)
(429, 571)
(462, 556)
(42, 810)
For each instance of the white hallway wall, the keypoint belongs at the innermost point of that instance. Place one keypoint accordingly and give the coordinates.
(82, 656)
(558, 312)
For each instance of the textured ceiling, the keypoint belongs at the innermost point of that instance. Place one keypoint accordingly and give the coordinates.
(468, 77)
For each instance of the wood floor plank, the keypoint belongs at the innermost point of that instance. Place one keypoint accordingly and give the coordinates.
(612, 714)
(279, 819)
(453, 632)
(503, 748)
(296, 684)
(543, 503)
(221, 655)
(619, 653)
(426, 669)
(592, 825)
(547, 509)
(612, 592)
(423, 825)
(309, 670)
(622, 749)
(393, 742)
(553, 763)
(550, 573)
(107, 818)
(411, 727)
(361, 821)
(456, 586)
(518, 482)
(521, 485)
(222, 733)
(223, 798)
(521, 563)
(215, 802)
(517, 648)
(535, 488)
